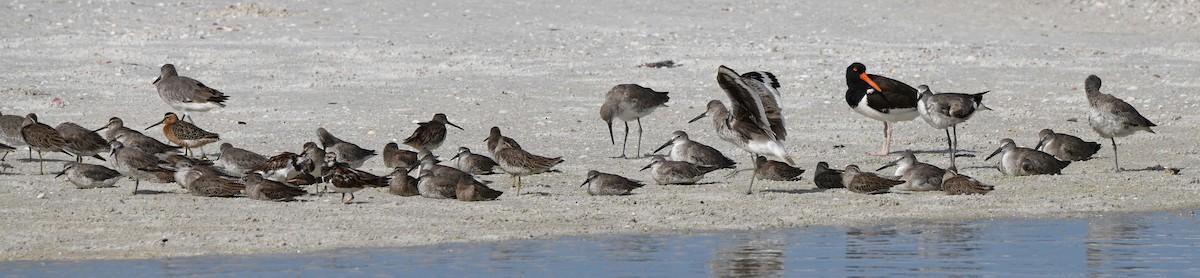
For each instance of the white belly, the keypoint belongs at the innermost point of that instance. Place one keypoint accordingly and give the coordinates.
(894, 115)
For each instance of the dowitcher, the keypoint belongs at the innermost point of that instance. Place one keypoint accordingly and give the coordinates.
(609, 184)
(470, 190)
(430, 163)
(394, 157)
(880, 98)
(236, 162)
(957, 184)
(430, 135)
(259, 188)
(10, 133)
(756, 122)
(476, 164)
(494, 138)
(116, 130)
(518, 162)
(684, 149)
(629, 102)
(1112, 117)
(345, 152)
(766, 169)
(1065, 146)
(866, 183)
(676, 172)
(347, 180)
(402, 184)
(82, 142)
(185, 134)
(946, 110)
(826, 178)
(918, 176)
(139, 165)
(41, 138)
(436, 187)
(85, 175)
(214, 186)
(1018, 161)
(186, 94)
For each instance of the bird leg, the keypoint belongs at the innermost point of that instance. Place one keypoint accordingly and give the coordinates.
(950, 143)
(41, 164)
(887, 140)
(639, 153)
(624, 141)
(136, 182)
(1116, 166)
(518, 185)
(750, 190)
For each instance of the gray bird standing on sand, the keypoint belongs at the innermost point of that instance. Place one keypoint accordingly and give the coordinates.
(1112, 117)
(628, 102)
(186, 94)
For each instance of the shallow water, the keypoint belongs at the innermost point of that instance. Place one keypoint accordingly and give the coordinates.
(1157, 244)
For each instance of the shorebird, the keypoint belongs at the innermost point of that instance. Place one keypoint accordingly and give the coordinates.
(139, 165)
(1018, 161)
(676, 172)
(346, 152)
(766, 169)
(684, 149)
(347, 180)
(430, 135)
(1065, 146)
(214, 186)
(476, 164)
(471, 190)
(1112, 117)
(237, 161)
(430, 163)
(115, 127)
(82, 142)
(957, 184)
(186, 171)
(494, 138)
(402, 184)
(628, 102)
(946, 110)
(281, 167)
(609, 184)
(6, 149)
(259, 188)
(880, 98)
(186, 94)
(826, 178)
(436, 187)
(312, 160)
(85, 175)
(41, 138)
(10, 133)
(185, 134)
(756, 122)
(866, 183)
(918, 176)
(519, 163)
(394, 157)
(134, 139)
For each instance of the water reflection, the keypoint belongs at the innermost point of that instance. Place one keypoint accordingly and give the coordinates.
(749, 255)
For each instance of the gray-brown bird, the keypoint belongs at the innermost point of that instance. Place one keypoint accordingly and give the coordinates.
(436, 187)
(82, 142)
(1065, 146)
(946, 110)
(343, 151)
(519, 163)
(1112, 117)
(826, 178)
(1018, 161)
(957, 184)
(609, 184)
(471, 190)
(259, 188)
(473, 163)
(676, 172)
(84, 175)
(494, 138)
(918, 176)
(236, 162)
(402, 184)
(214, 186)
(41, 138)
(866, 183)
(139, 165)
(430, 135)
(629, 102)
(684, 149)
(394, 157)
(767, 169)
(186, 94)
(10, 133)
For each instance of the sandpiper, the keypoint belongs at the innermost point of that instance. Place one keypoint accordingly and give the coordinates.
(1018, 161)
(237, 161)
(946, 110)
(347, 180)
(312, 160)
(394, 157)
(518, 162)
(766, 169)
(476, 164)
(880, 98)
(684, 149)
(214, 186)
(10, 133)
(139, 165)
(115, 127)
(116, 130)
(471, 190)
(186, 94)
(259, 188)
(866, 183)
(918, 176)
(1065, 146)
(826, 178)
(430, 163)
(436, 187)
(756, 122)
(957, 184)
(430, 135)
(345, 152)
(185, 134)
(41, 138)
(1112, 117)
(494, 138)
(85, 175)
(6, 149)
(281, 167)
(676, 172)
(609, 184)
(187, 171)
(402, 184)
(82, 142)
(628, 102)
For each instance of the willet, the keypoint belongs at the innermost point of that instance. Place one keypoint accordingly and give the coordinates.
(609, 184)
(139, 165)
(918, 176)
(347, 180)
(84, 175)
(676, 172)
(946, 110)
(346, 152)
(237, 161)
(185, 134)
(259, 188)
(82, 142)
(186, 94)
(866, 183)
(629, 102)
(957, 184)
(756, 122)
(684, 149)
(880, 98)
(826, 178)
(1065, 146)
(394, 157)
(1018, 161)
(519, 163)
(476, 164)
(41, 138)
(430, 135)
(1112, 117)
(494, 138)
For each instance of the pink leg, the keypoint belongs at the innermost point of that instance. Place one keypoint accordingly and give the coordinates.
(887, 140)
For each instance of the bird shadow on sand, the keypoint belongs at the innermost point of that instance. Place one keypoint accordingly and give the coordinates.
(151, 192)
(796, 191)
(35, 160)
(1156, 168)
(543, 194)
(961, 153)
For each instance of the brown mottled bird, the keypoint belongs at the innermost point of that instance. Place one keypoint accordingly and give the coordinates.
(473, 163)
(259, 188)
(609, 184)
(41, 138)
(402, 184)
(347, 180)
(866, 183)
(394, 157)
(826, 178)
(185, 134)
(1065, 146)
(82, 142)
(518, 162)
(957, 184)
(470, 190)
(430, 135)
(185, 93)
(494, 138)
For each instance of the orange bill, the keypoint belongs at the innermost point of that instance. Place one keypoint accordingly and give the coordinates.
(864, 77)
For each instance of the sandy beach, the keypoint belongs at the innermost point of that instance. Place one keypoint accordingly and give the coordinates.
(539, 71)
